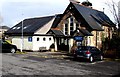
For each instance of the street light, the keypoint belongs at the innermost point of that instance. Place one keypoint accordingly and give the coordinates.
(22, 36)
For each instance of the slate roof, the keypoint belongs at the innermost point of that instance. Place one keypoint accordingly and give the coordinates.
(57, 20)
(82, 32)
(29, 25)
(56, 32)
(92, 17)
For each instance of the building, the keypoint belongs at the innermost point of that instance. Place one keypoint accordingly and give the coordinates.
(78, 25)
(2, 30)
(119, 10)
(35, 33)
(118, 31)
(88, 21)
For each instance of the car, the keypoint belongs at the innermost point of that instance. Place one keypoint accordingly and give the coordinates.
(7, 47)
(88, 52)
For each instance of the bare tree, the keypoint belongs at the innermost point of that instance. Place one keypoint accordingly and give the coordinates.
(113, 8)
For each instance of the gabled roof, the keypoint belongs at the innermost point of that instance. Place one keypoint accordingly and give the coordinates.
(92, 17)
(29, 25)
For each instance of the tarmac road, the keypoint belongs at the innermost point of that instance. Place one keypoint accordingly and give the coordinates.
(39, 63)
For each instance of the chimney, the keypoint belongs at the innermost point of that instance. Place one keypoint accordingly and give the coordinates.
(75, 1)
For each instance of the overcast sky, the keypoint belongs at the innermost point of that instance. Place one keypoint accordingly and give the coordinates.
(13, 11)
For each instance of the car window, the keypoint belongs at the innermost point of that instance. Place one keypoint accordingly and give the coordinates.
(95, 49)
(83, 48)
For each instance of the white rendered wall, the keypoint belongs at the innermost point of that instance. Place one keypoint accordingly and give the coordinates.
(18, 42)
(41, 43)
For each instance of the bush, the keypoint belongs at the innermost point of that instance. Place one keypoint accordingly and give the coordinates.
(112, 47)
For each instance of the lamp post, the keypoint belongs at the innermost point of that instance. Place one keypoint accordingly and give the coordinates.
(22, 36)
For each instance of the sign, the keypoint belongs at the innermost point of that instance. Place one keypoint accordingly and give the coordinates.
(29, 39)
(78, 38)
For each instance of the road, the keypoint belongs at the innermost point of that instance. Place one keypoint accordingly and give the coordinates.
(34, 63)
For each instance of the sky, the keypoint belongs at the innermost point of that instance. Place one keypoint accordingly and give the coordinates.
(14, 11)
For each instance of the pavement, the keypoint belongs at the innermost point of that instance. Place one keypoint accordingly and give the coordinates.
(54, 63)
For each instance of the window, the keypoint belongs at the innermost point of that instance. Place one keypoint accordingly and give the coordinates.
(71, 28)
(14, 28)
(71, 20)
(66, 29)
(18, 27)
(44, 39)
(49, 39)
(26, 26)
(38, 39)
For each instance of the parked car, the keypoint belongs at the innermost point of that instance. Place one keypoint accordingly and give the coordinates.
(88, 52)
(7, 47)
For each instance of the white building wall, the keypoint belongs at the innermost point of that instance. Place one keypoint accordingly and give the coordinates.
(27, 45)
(42, 43)
(16, 40)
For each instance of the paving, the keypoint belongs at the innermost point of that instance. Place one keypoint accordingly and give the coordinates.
(55, 63)
(47, 54)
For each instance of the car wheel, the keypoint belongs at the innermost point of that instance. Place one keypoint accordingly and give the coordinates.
(12, 50)
(91, 59)
(101, 58)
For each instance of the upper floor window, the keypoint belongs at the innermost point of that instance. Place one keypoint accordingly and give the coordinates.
(71, 20)
(66, 29)
(71, 28)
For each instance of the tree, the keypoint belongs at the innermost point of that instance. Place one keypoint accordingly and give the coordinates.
(86, 3)
(113, 8)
